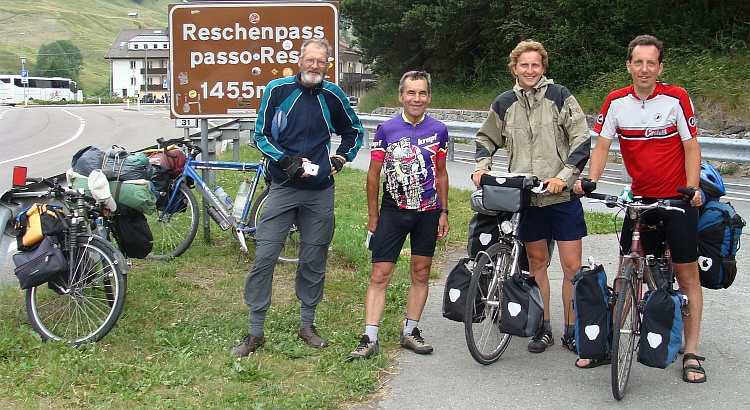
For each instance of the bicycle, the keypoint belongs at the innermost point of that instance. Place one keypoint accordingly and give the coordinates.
(81, 305)
(175, 226)
(635, 271)
(492, 268)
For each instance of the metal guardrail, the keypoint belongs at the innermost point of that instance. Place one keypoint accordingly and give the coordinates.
(712, 148)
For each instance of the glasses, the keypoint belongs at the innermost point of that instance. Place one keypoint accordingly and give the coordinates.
(311, 61)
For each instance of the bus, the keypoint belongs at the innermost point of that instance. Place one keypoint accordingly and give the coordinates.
(12, 90)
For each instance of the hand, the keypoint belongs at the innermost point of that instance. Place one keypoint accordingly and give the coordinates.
(697, 199)
(476, 177)
(292, 166)
(372, 223)
(443, 226)
(337, 162)
(577, 188)
(555, 185)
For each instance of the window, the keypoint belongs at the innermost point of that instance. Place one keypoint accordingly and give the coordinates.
(132, 80)
(135, 46)
(132, 65)
(164, 46)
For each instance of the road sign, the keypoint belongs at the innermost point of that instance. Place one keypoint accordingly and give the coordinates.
(222, 55)
(186, 123)
(24, 76)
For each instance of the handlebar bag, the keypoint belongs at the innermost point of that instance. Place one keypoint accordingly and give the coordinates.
(522, 306)
(506, 194)
(36, 266)
(36, 222)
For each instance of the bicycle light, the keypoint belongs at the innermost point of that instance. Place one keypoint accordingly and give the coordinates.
(19, 176)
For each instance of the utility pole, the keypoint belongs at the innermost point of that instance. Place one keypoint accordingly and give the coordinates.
(23, 67)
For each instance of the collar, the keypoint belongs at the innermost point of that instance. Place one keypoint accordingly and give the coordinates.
(659, 86)
(403, 116)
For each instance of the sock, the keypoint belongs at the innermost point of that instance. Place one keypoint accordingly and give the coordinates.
(569, 329)
(547, 326)
(372, 332)
(409, 325)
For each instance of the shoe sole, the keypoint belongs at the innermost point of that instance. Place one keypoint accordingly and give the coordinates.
(418, 350)
(533, 350)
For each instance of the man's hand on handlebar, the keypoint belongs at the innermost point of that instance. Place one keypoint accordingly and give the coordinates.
(555, 185)
(476, 177)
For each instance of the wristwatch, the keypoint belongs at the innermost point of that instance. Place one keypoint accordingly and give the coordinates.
(444, 211)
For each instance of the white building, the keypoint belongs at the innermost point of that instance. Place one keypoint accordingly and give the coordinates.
(139, 61)
(356, 78)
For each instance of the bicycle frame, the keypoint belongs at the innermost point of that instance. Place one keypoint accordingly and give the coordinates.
(190, 170)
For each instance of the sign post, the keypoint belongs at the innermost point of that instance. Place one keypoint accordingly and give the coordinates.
(223, 54)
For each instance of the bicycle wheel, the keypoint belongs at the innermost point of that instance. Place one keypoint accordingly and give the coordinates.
(482, 315)
(290, 251)
(82, 306)
(625, 331)
(174, 229)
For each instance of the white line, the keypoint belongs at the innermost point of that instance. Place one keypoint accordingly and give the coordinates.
(71, 139)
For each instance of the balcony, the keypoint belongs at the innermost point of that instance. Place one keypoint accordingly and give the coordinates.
(154, 71)
(356, 78)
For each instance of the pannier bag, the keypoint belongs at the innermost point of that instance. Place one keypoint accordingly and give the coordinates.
(593, 310)
(132, 233)
(661, 329)
(36, 222)
(175, 160)
(483, 232)
(522, 307)
(36, 266)
(456, 287)
(161, 183)
(507, 194)
(719, 230)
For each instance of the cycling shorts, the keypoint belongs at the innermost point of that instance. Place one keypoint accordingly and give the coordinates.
(395, 224)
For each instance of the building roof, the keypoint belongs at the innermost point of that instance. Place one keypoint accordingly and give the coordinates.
(119, 48)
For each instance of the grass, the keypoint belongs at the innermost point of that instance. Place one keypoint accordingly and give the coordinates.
(170, 348)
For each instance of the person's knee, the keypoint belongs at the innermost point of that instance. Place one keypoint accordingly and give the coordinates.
(380, 276)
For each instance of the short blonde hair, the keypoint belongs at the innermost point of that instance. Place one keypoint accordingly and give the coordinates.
(524, 46)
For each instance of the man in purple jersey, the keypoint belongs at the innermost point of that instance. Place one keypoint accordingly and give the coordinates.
(410, 150)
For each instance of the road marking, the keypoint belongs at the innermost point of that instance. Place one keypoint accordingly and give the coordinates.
(69, 140)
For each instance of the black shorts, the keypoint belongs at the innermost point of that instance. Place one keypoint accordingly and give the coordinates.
(680, 230)
(395, 224)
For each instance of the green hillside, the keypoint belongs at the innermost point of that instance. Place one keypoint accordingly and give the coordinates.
(91, 25)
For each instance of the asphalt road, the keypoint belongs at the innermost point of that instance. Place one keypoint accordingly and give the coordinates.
(450, 379)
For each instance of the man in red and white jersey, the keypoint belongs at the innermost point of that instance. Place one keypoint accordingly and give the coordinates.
(655, 125)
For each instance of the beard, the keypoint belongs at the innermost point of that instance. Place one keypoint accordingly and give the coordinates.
(312, 78)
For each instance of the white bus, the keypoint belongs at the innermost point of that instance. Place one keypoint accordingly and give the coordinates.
(12, 90)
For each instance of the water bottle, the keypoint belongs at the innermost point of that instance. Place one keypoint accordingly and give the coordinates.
(239, 203)
(100, 229)
(627, 194)
(218, 218)
(224, 198)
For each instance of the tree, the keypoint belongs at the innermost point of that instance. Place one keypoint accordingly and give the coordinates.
(61, 58)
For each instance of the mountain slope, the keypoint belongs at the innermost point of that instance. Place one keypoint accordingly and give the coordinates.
(91, 25)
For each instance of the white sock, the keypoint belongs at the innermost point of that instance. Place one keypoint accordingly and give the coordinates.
(372, 332)
(409, 325)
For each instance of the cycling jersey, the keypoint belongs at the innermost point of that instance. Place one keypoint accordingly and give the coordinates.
(650, 132)
(408, 153)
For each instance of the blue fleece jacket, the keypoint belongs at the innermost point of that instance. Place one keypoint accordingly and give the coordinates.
(297, 121)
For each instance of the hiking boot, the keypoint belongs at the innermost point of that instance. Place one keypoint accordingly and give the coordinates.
(311, 337)
(365, 349)
(541, 341)
(569, 342)
(248, 345)
(415, 342)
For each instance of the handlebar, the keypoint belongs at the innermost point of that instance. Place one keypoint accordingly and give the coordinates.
(612, 201)
(164, 144)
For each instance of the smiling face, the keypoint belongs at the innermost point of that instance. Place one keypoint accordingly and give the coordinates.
(645, 68)
(415, 97)
(528, 69)
(313, 65)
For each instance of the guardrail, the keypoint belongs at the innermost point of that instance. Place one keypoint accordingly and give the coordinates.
(715, 149)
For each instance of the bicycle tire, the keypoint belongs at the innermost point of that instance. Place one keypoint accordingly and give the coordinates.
(483, 305)
(290, 251)
(82, 308)
(175, 231)
(625, 332)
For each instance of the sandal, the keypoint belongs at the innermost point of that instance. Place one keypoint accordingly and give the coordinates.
(593, 362)
(691, 368)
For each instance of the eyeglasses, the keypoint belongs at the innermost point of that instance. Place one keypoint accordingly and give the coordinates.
(311, 61)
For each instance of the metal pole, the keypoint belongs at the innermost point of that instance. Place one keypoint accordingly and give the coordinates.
(23, 63)
(205, 175)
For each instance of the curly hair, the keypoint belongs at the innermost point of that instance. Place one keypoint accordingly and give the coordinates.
(524, 46)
